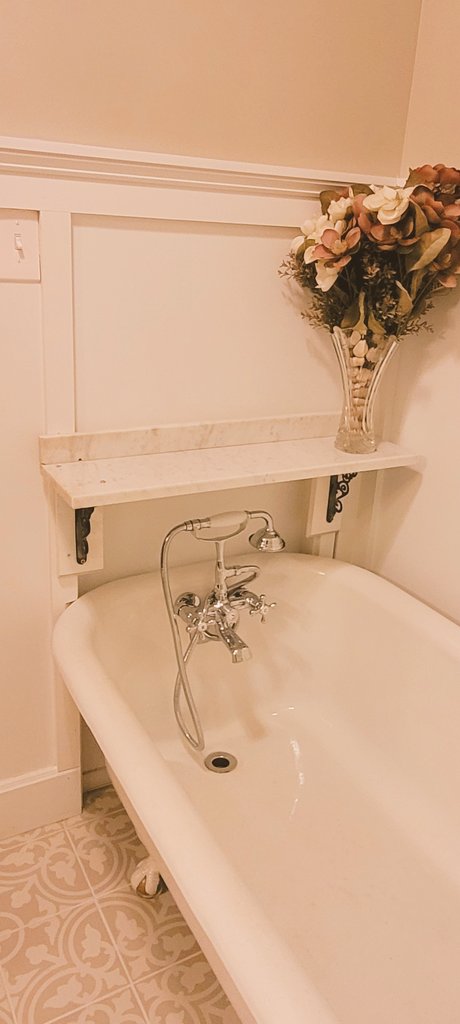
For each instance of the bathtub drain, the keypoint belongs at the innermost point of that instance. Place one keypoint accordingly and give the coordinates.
(220, 761)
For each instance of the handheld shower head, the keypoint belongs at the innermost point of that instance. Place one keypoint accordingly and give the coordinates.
(224, 525)
(266, 539)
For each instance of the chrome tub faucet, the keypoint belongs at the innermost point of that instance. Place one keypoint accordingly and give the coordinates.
(217, 616)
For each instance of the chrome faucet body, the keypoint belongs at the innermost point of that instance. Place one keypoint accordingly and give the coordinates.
(217, 616)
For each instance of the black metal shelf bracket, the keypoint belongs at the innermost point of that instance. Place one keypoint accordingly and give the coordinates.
(338, 489)
(82, 531)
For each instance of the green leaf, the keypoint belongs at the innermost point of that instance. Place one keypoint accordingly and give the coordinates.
(427, 248)
(361, 190)
(420, 222)
(351, 316)
(374, 325)
(326, 197)
(354, 315)
(405, 301)
(416, 280)
(414, 179)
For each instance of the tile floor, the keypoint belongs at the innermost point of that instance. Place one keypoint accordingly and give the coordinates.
(79, 947)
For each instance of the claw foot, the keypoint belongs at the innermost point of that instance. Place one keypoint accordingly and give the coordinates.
(146, 879)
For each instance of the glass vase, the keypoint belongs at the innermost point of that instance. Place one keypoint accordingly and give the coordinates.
(362, 360)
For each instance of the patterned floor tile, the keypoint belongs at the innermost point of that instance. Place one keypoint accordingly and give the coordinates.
(37, 880)
(30, 837)
(149, 934)
(98, 802)
(6, 1016)
(122, 1008)
(60, 965)
(188, 993)
(108, 849)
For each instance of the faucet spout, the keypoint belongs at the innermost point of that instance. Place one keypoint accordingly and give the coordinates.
(237, 647)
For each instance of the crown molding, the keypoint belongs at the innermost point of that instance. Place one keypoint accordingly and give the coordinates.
(43, 159)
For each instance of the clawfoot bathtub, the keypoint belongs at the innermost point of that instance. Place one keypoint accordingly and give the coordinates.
(322, 875)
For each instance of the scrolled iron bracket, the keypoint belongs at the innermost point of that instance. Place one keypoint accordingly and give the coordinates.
(339, 487)
(82, 531)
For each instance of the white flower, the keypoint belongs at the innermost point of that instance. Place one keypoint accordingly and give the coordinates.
(314, 228)
(297, 244)
(340, 226)
(325, 276)
(337, 209)
(309, 254)
(389, 203)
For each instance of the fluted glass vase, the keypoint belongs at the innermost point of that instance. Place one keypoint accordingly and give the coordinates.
(362, 360)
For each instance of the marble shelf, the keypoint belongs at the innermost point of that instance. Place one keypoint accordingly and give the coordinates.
(109, 481)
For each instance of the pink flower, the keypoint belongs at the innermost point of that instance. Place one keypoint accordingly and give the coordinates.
(333, 253)
(404, 234)
(447, 262)
(437, 177)
(438, 212)
(335, 247)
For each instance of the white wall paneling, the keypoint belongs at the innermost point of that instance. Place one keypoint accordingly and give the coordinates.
(59, 388)
(159, 303)
(26, 719)
(57, 320)
(34, 728)
(178, 322)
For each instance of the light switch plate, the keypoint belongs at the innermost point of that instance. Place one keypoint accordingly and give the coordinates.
(19, 246)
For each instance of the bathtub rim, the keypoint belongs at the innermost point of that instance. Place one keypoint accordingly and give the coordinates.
(256, 977)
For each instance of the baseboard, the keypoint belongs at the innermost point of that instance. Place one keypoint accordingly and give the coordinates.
(95, 778)
(41, 798)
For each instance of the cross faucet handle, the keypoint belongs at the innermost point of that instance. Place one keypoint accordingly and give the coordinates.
(262, 608)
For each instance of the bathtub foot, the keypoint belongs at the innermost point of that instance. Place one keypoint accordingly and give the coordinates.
(146, 879)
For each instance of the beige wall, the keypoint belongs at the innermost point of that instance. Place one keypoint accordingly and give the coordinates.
(308, 83)
(433, 122)
(418, 536)
(291, 108)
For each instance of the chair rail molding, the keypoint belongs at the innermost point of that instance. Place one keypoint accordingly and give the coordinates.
(89, 180)
(39, 158)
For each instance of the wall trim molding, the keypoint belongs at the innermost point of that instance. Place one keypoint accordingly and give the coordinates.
(43, 159)
(38, 798)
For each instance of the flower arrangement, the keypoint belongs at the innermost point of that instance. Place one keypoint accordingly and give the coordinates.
(375, 257)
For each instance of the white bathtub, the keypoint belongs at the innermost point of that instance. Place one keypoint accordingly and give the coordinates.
(322, 876)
